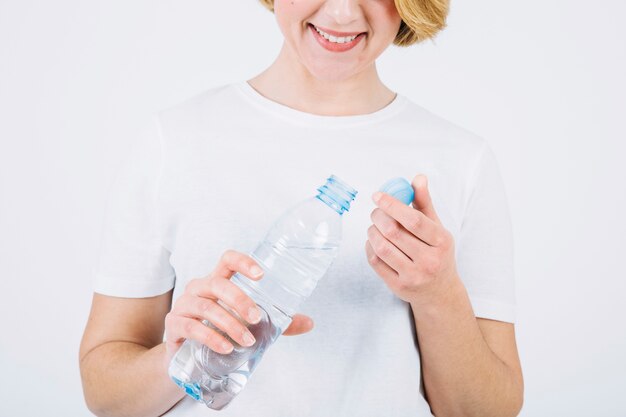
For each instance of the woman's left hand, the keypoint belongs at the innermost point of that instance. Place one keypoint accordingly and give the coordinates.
(409, 248)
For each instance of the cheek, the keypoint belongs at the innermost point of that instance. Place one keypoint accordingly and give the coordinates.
(385, 17)
(292, 11)
(290, 16)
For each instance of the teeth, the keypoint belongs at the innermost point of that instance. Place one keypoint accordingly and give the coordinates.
(335, 39)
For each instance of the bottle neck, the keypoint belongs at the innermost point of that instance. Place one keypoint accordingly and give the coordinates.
(336, 194)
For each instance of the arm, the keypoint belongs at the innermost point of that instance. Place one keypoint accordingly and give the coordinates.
(470, 366)
(122, 357)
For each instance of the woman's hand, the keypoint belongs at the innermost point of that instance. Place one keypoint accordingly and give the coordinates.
(199, 302)
(409, 248)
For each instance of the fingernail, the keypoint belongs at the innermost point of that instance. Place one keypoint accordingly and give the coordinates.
(227, 347)
(377, 195)
(254, 315)
(255, 271)
(248, 339)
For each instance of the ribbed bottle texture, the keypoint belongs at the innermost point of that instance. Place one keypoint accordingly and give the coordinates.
(295, 254)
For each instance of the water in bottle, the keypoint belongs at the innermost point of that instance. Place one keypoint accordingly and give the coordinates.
(295, 254)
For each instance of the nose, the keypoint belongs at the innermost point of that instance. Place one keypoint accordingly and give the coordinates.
(343, 12)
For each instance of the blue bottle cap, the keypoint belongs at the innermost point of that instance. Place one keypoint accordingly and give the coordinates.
(400, 189)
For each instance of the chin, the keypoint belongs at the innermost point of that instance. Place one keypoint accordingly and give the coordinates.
(333, 77)
(332, 73)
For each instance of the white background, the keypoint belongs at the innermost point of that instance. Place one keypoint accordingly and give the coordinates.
(542, 81)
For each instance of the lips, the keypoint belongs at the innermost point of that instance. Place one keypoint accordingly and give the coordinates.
(333, 46)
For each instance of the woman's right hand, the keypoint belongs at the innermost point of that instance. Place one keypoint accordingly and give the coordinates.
(199, 302)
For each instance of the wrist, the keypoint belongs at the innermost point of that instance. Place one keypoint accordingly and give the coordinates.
(444, 296)
(165, 359)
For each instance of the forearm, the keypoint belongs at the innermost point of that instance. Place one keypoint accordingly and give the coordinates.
(462, 376)
(127, 379)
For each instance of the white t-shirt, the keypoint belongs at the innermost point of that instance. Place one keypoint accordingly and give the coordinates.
(212, 173)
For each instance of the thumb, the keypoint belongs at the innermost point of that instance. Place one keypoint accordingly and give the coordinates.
(422, 200)
(300, 324)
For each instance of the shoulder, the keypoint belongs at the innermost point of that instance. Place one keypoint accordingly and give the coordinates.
(425, 129)
(208, 104)
(445, 130)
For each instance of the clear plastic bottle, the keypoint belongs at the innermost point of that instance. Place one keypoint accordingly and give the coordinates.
(295, 254)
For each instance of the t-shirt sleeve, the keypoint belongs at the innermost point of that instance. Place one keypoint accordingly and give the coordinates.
(485, 246)
(132, 261)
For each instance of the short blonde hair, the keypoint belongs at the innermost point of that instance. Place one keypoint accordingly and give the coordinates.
(421, 19)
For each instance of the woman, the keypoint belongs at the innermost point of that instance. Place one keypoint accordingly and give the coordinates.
(416, 314)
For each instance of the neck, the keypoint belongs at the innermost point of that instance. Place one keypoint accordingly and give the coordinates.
(288, 82)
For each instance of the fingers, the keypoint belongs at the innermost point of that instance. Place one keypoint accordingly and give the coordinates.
(229, 293)
(216, 312)
(208, 309)
(299, 324)
(386, 250)
(180, 328)
(414, 221)
(384, 270)
(221, 303)
(233, 261)
(422, 200)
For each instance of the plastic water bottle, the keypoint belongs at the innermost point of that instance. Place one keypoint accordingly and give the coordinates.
(295, 254)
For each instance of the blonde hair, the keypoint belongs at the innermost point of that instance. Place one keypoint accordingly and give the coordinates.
(421, 19)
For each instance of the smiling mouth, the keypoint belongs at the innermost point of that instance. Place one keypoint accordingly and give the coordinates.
(336, 37)
(333, 43)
